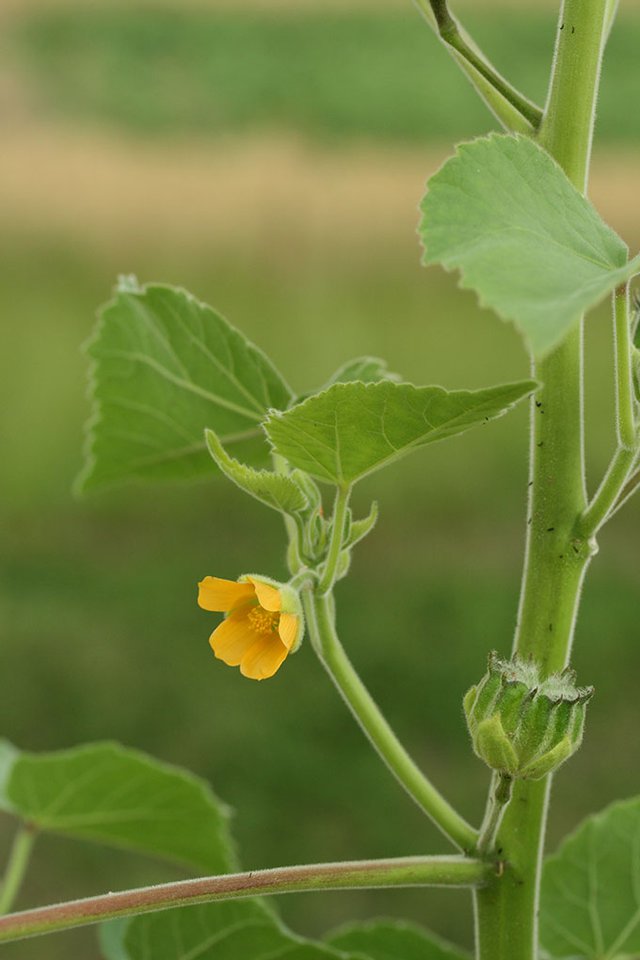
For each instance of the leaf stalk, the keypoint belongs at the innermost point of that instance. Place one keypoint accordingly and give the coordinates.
(614, 490)
(625, 394)
(338, 521)
(501, 793)
(17, 865)
(514, 111)
(319, 612)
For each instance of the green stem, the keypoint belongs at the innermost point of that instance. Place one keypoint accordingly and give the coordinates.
(556, 559)
(293, 527)
(512, 109)
(338, 520)
(16, 867)
(627, 491)
(356, 875)
(625, 394)
(320, 620)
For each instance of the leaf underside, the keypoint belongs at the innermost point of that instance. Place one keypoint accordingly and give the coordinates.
(394, 940)
(504, 213)
(119, 797)
(232, 930)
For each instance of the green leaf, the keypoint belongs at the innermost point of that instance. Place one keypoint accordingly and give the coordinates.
(275, 489)
(232, 930)
(394, 940)
(590, 900)
(8, 756)
(165, 366)
(504, 213)
(108, 794)
(358, 529)
(365, 369)
(352, 429)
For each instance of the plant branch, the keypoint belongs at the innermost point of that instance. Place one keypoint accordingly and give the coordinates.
(610, 493)
(627, 491)
(502, 790)
(512, 109)
(355, 875)
(320, 620)
(16, 866)
(625, 394)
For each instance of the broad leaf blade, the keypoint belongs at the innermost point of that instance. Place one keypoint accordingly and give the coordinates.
(394, 940)
(504, 213)
(165, 366)
(233, 930)
(276, 490)
(590, 900)
(105, 793)
(352, 429)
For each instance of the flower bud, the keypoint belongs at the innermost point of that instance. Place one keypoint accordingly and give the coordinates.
(522, 726)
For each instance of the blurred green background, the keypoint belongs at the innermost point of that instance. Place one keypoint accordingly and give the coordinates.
(269, 157)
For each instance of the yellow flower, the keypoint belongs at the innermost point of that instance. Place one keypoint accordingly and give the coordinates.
(264, 622)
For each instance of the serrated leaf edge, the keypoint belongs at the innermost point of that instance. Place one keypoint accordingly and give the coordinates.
(83, 482)
(623, 274)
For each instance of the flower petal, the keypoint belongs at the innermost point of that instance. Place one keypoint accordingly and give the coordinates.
(221, 595)
(288, 629)
(264, 658)
(268, 596)
(233, 639)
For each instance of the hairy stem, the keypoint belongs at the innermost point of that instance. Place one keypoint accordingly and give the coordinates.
(359, 874)
(556, 559)
(512, 109)
(625, 397)
(501, 793)
(612, 488)
(16, 866)
(630, 487)
(611, 493)
(338, 520)
(320, 620)
(625, 394)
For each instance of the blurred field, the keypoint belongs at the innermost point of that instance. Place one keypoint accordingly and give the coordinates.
(299, 226)
(331, 74)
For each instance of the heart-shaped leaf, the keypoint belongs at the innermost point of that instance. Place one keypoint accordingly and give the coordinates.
(108, 794)
(352, 429)
(590, 899)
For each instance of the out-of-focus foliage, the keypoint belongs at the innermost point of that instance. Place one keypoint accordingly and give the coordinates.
(100, 633)
(333, 74)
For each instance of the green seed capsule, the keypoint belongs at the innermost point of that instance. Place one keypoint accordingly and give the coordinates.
(521, 725)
